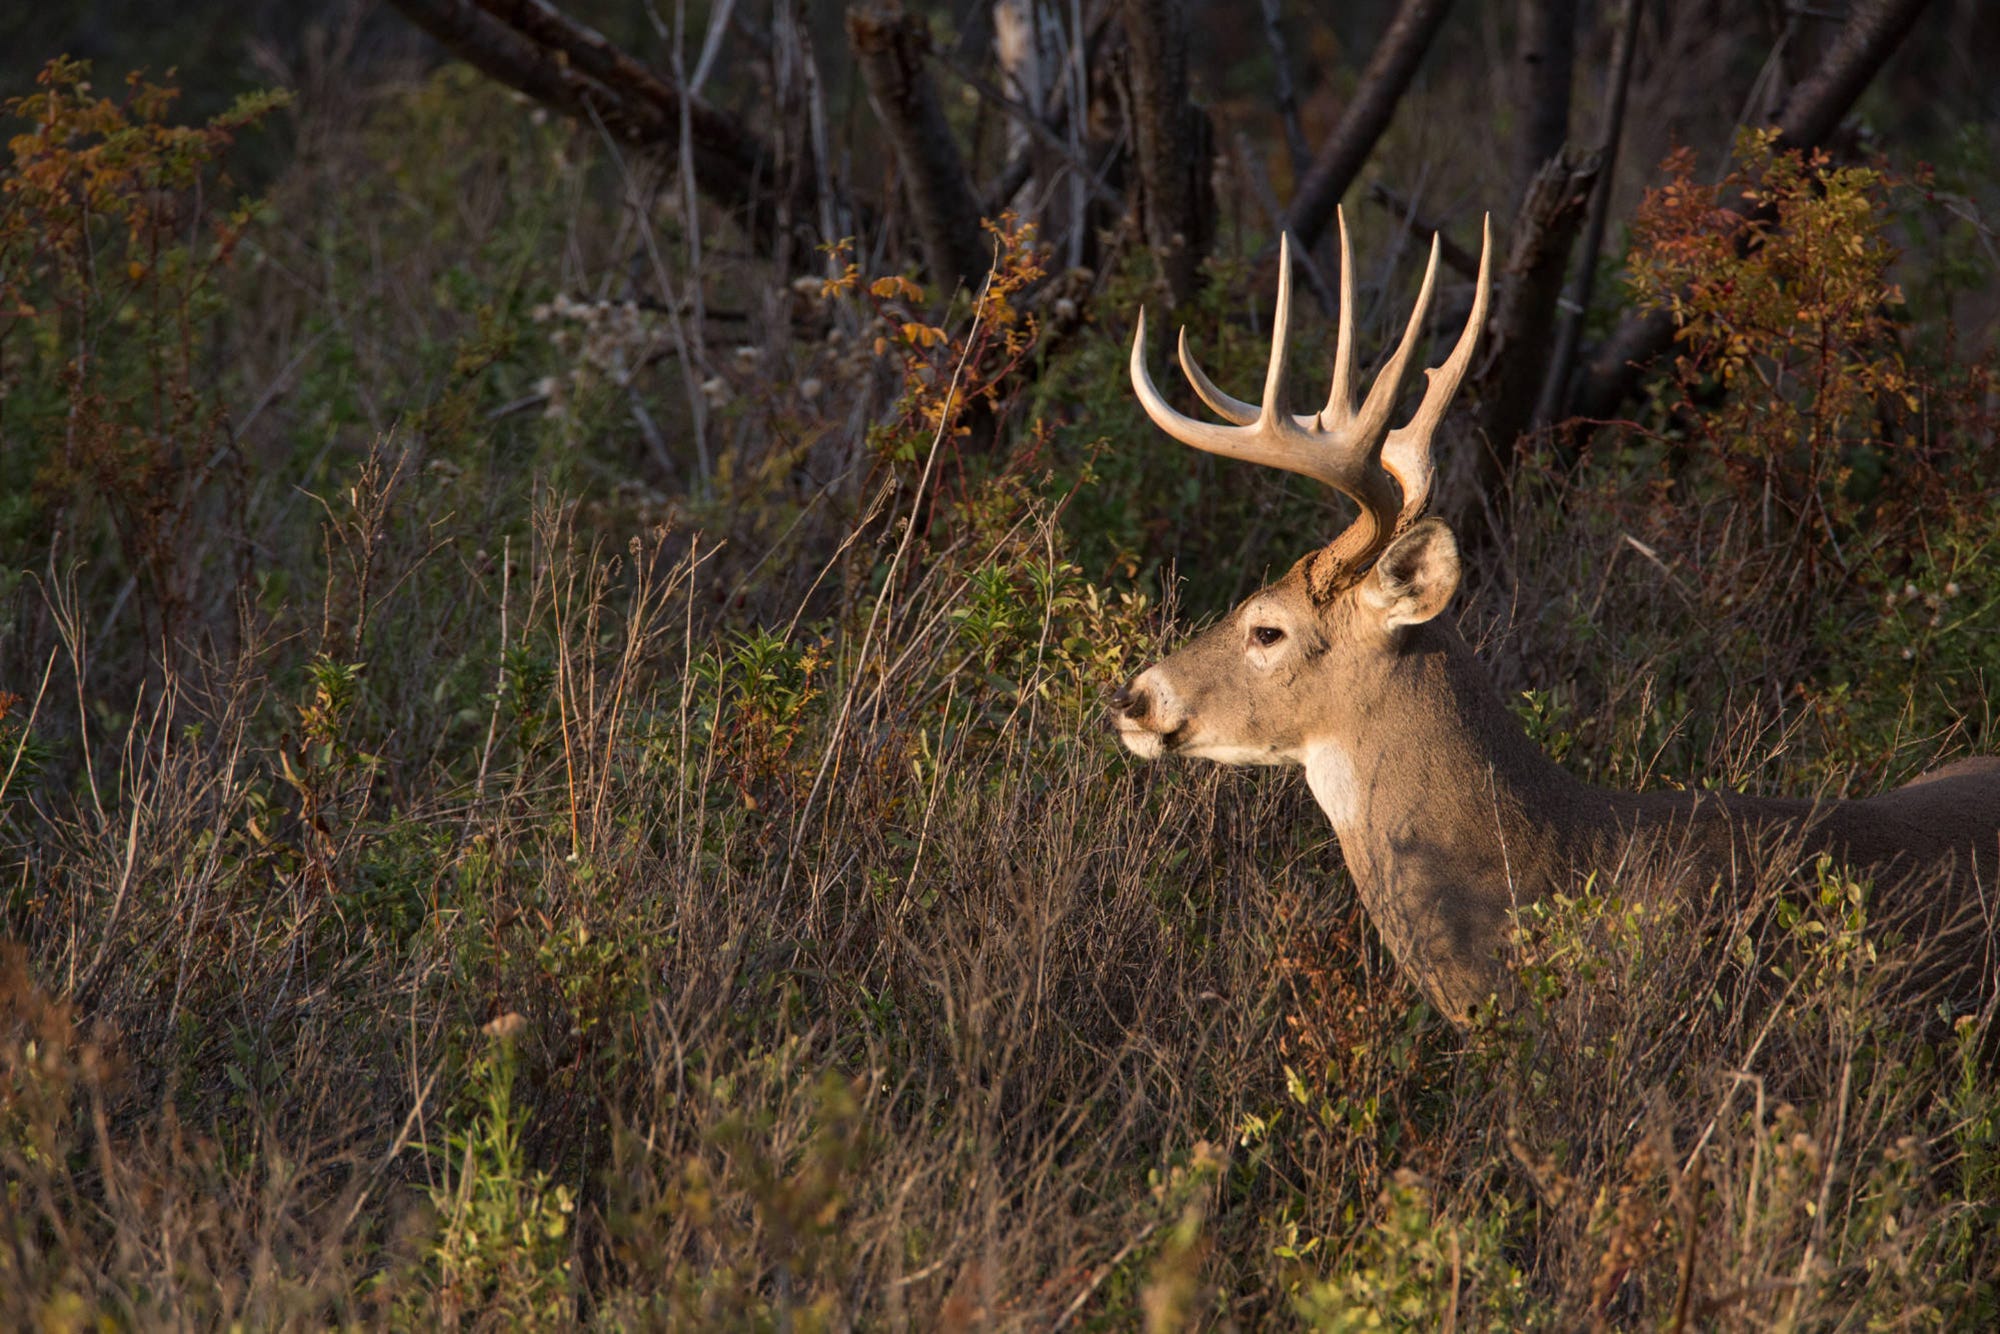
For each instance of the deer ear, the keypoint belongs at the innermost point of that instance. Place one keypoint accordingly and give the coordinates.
(1415, 576)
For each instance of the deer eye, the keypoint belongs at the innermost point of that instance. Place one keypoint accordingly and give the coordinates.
(1266, 635)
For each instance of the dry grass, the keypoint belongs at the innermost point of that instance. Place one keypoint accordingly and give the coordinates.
(523, 899)
(879, 988)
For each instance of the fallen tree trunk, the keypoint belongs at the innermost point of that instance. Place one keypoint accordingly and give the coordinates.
(534, 48)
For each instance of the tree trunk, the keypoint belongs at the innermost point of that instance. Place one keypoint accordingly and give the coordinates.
(1569, 325)
(1546, 57)
(1530, 286)
(1173, 138)
(890, 47)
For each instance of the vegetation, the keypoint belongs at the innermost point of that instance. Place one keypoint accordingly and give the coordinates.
(552, 769)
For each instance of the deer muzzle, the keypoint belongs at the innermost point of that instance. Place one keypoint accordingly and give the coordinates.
(1146, 714)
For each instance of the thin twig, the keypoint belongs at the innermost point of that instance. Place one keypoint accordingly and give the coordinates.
(28, 727)
(1104, 1271)
(1455, 256)
(499, 674)
(1683, 1298)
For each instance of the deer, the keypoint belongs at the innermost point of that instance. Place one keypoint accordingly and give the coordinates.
(1450, 819)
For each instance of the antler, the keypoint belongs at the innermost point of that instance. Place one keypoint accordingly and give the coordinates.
(1386, 472)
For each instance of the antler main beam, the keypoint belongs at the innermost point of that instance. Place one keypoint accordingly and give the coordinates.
(1386, 472)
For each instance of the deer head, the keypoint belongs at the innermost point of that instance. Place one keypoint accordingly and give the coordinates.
(1303, 665)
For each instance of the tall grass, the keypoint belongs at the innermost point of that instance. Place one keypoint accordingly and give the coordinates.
(518, 899)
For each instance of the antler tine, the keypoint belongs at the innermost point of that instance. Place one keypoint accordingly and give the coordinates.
(1224, 405)
(1228, 406)
(1388, 386)
(1235, 409)
(1274, 443)
(1386, 472)
(1406, 453)
(1281, 332)
(1265, 434)
(1342, 454)
(1339, 408)
(1226, 440)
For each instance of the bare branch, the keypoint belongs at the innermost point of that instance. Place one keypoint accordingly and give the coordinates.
(1346, 150)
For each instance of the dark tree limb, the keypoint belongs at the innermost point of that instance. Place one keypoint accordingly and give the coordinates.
(890, 46)
(1174, 144)
(1569, 327)
(1546, 54)
(1340, 159)
(1531, 284)
(1873, 31)
(532, 47)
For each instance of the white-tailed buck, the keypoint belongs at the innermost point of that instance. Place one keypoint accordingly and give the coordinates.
(1448, 815)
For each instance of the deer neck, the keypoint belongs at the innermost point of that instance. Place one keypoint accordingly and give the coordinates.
(1447, 815)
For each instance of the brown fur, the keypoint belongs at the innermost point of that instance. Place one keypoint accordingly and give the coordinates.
(1450, 818)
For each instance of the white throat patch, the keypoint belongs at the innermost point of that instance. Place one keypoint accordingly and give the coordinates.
(1330, 775)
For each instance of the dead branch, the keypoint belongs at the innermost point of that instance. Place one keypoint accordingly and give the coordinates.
(1346, 150)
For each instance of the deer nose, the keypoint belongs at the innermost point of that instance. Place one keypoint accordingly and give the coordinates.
(1125, 702)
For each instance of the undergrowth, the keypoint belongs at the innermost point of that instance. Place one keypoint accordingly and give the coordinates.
(513, 812)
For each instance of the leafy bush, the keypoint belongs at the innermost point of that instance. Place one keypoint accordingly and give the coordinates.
(109, 262)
